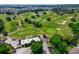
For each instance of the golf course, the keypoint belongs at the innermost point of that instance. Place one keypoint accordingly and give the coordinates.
(35, 24)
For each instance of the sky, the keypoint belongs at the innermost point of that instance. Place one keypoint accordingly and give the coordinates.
(39, 1)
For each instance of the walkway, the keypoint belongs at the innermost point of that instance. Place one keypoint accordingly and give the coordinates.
(45, 45)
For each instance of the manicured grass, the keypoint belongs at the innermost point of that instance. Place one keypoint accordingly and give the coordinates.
(48, 27)
(27, 31)
(10, 26)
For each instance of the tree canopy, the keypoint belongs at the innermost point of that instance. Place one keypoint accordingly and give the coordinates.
(6, 49)
(37, 24)
(37, 47)
(1, 26)
(59, 45)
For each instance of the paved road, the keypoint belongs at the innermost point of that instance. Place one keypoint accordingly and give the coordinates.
(74, 50)
(45, 47)
(24, 50)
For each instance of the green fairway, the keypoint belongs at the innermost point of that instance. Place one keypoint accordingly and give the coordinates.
(27, 31)
(57, 25)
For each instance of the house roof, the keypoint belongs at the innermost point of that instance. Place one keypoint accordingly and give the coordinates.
(29, 40)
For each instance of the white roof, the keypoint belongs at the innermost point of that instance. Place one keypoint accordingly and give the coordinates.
(29, 40)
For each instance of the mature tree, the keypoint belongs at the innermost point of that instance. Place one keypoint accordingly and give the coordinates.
(73, 19)
(37, 24)
(74, 41)
(8, 18)
(38, 15)
(5, 33)
(75, 27)
(22, 22)
(59, 45)
(1, 26)
(45, 13)
(48, 19)
(28, 20)
(36, 12)
(6, 49)
(55, 40)
(61, 49)
(37, 47)
(33, 17)
(14, 17)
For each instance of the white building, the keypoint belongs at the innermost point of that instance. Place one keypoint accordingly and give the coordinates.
(26, 41)
(16, 43)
